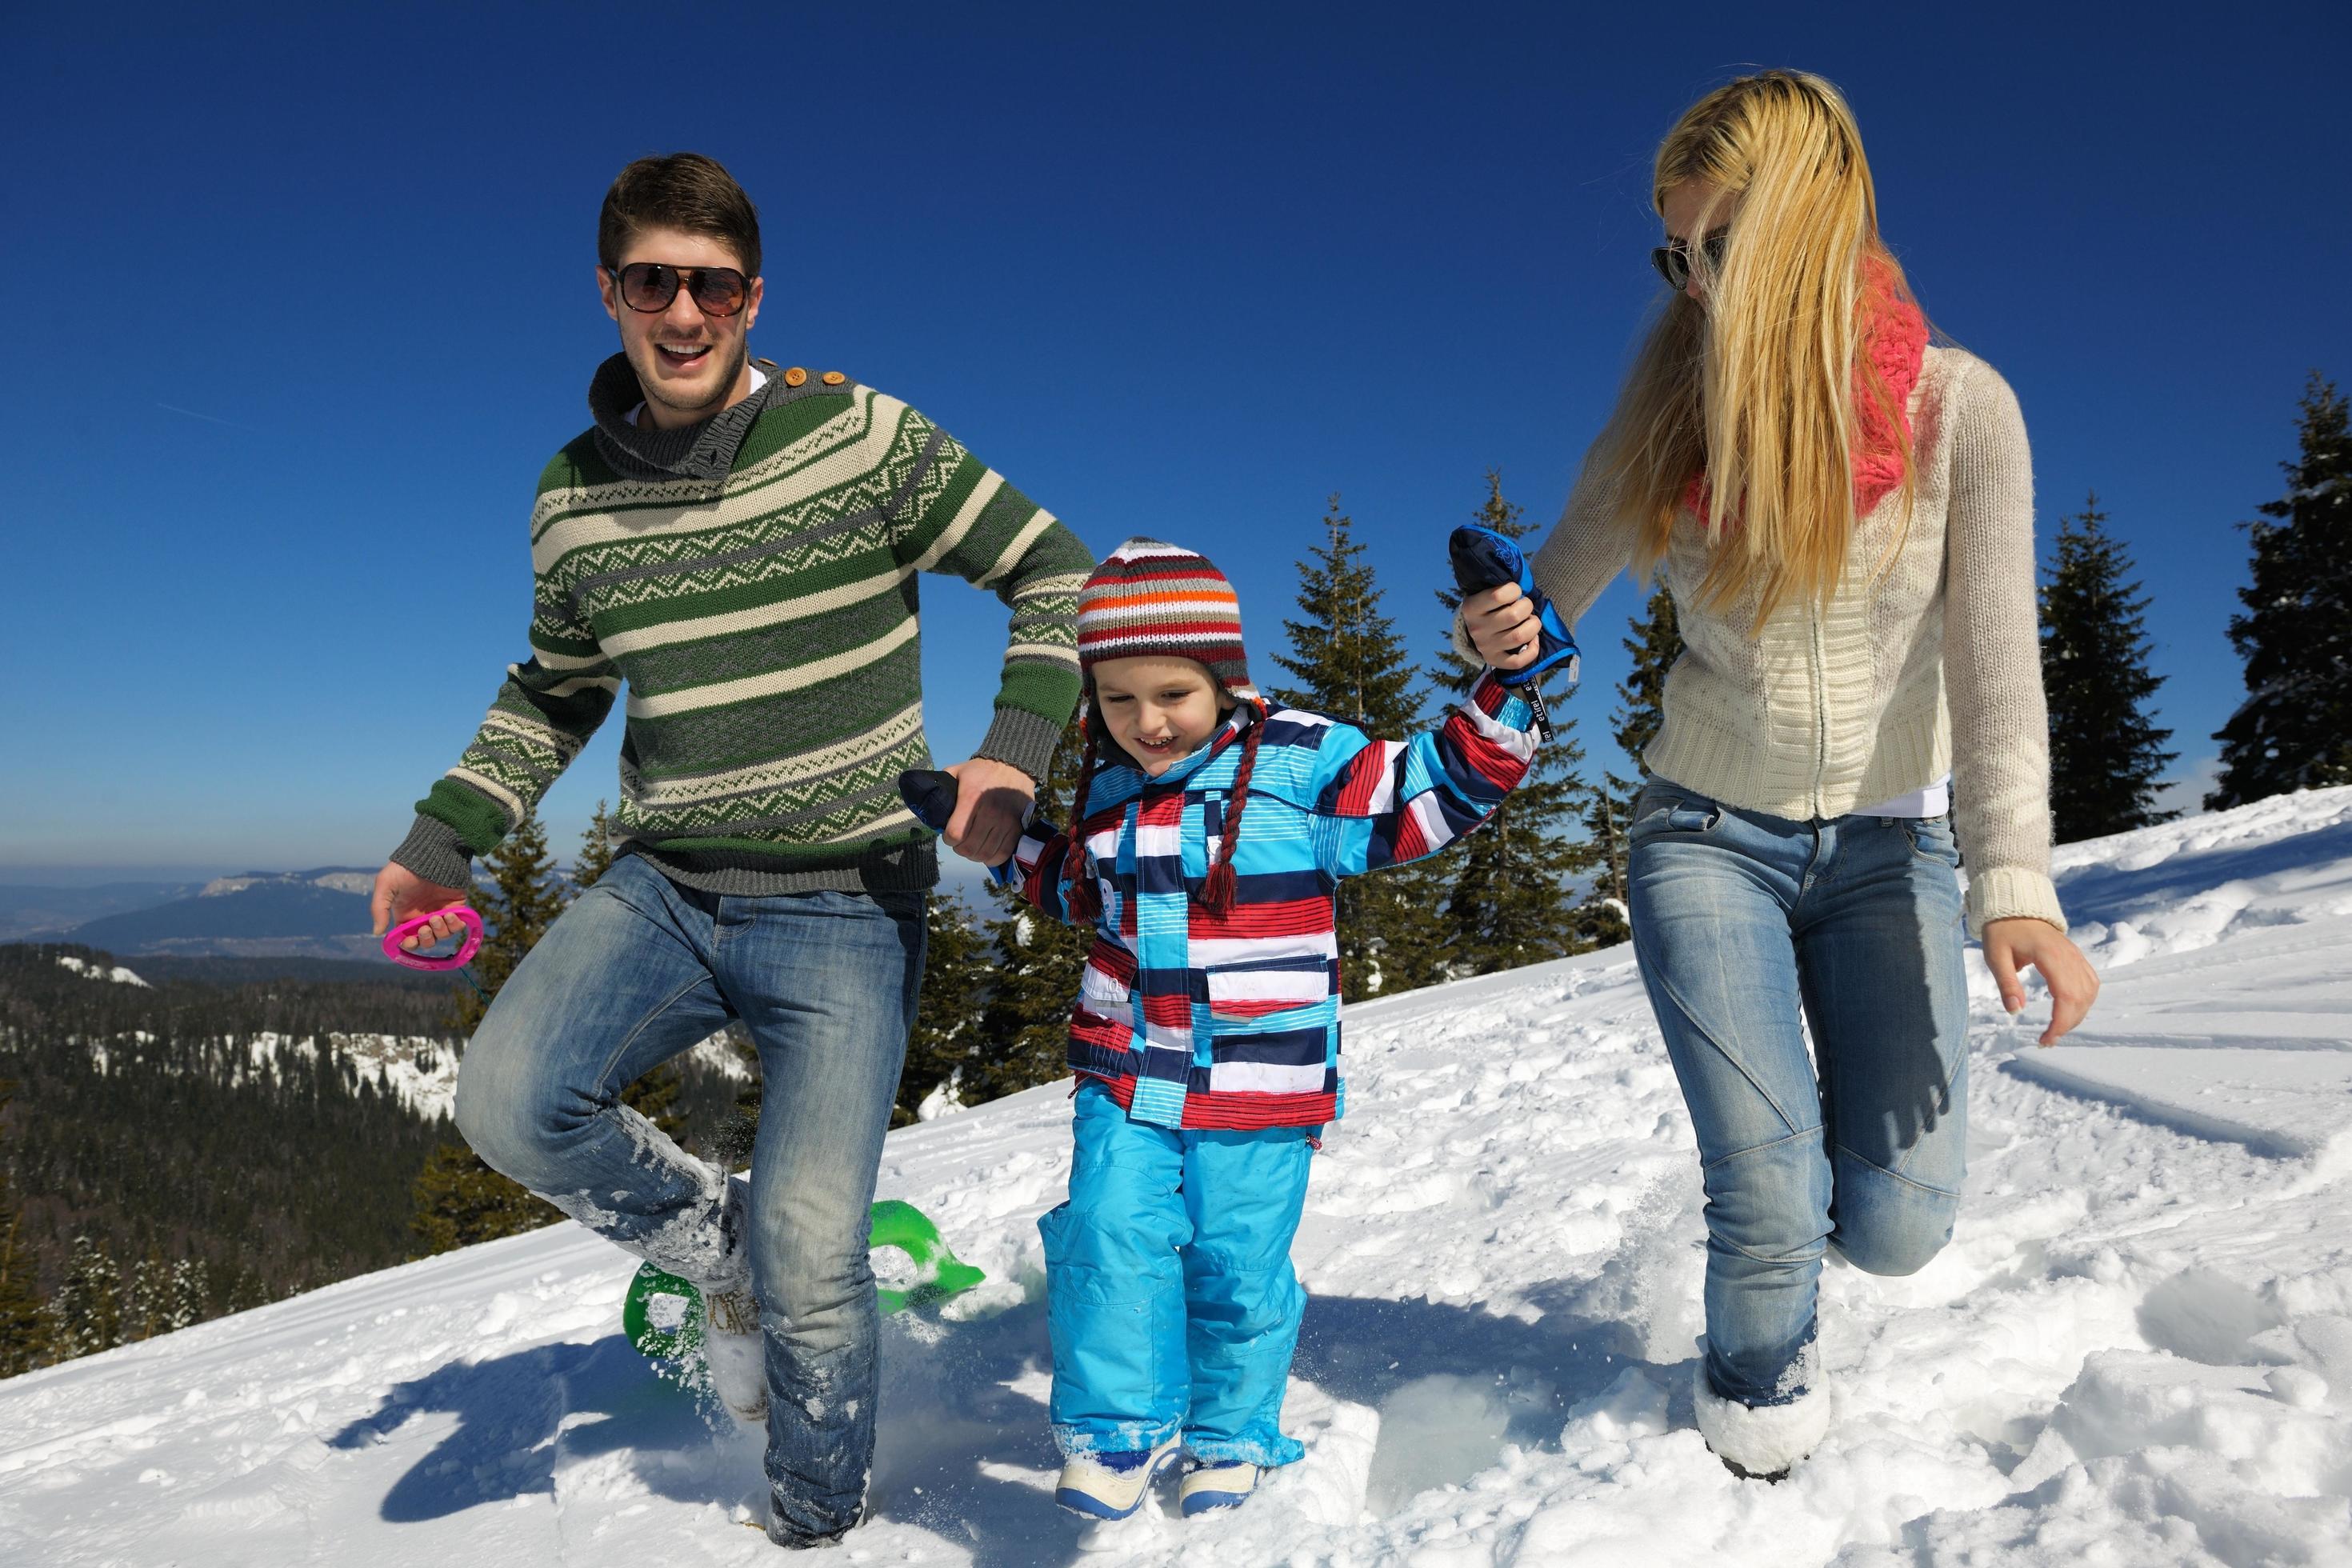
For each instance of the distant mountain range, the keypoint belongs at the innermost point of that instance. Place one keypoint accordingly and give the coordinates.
(28, 914)
(320, 913)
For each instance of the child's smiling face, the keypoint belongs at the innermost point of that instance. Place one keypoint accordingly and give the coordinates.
(1160, 710)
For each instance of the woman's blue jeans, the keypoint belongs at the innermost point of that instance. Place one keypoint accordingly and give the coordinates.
(639, 969)
(1742, 921)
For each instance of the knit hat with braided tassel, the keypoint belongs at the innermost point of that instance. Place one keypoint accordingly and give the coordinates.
(1154, 600)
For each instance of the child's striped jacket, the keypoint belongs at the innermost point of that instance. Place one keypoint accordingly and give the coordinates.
(1194, 1019)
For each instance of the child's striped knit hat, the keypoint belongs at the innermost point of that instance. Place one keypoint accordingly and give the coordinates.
(1152, 600)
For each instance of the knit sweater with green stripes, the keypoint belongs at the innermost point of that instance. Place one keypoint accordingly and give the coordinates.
(753, 581)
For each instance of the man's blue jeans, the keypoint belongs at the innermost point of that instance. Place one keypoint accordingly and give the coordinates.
(637, 970)
(1740, 918)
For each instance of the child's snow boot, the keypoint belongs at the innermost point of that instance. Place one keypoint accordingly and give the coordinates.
(1112, 1484)
(736, 1354)
(1207, 1486)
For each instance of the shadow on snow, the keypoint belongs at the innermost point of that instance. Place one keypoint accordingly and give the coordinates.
(959, 1451)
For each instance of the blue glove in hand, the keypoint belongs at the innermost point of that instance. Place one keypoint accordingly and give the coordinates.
(930, 795)
(1485, 559)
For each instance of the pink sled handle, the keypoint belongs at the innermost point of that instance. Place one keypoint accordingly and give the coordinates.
(471, 945)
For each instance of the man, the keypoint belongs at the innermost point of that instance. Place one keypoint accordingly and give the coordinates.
(737, 543)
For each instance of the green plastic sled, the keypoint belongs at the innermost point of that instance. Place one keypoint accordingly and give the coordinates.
(663, 1314)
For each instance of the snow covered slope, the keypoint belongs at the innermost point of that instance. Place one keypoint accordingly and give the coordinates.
(2138, 1349)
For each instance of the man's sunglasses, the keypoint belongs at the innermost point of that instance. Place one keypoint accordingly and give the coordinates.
(650, 286)
(1673, 259)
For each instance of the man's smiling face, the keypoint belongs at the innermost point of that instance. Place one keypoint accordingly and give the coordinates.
(690, 363)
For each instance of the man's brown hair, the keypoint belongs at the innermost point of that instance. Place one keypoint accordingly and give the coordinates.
(684, 191)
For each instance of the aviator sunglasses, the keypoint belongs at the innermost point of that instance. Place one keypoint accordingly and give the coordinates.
(1673, 259)
(650, 286)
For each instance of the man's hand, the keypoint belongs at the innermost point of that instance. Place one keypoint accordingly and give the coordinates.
(992, 800)
(2073, 985)
(1502, 625)
(401, 892)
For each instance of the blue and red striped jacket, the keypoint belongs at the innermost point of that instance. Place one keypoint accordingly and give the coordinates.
(1195, 1019)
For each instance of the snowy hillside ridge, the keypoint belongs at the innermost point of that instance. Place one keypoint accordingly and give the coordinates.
(335, 880)
(2136, 1349)
(96, 972)
(418, 1070)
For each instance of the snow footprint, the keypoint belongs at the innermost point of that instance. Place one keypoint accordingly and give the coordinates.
(1407, 1195)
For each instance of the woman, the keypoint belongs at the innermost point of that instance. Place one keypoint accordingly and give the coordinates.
(1843, 514)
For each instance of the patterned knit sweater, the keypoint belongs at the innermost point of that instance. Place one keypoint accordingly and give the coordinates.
(753, 581)
(1925, 661)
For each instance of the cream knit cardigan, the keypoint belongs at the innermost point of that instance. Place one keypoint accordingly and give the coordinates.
(1927, 661)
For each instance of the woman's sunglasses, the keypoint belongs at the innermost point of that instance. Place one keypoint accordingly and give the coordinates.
(1673, 259)
(650, 286)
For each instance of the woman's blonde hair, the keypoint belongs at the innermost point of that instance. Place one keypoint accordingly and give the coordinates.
(1755, 389)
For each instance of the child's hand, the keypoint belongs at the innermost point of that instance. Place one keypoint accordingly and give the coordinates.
(1501, 622)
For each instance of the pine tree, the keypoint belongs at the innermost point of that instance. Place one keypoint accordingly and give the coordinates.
(595, 857)
(21, 1331)
(730, 1147)
(186, 1298)
(654, 1098)
(525, 897)
(1656, 643)
(2104, 753)
(1604, 918)
(459, 1200)
(1350, 664)
(957, 970)
(2294, 729)
(245, 1292)
(86, 1314)
(143, 1303)
(1511, 903)
(1025, 1022)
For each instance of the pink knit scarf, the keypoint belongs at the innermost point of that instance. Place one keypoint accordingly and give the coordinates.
(1895, 342)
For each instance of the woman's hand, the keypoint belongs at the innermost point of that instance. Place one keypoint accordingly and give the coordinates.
(1502, 625)
(2011, 944)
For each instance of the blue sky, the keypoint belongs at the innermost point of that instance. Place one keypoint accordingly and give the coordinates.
(306, 299)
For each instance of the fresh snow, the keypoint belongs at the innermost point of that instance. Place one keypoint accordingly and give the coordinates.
(2136, 1350)
(100, 972)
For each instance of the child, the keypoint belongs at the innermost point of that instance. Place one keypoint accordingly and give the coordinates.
(1211, 830)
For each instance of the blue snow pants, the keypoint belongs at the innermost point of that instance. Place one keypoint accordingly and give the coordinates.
(1169, 1290)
